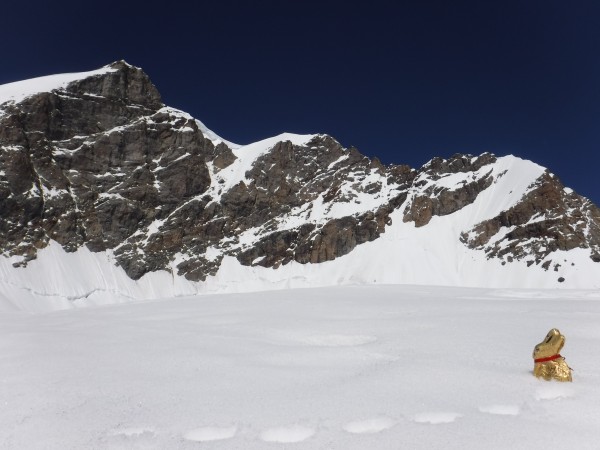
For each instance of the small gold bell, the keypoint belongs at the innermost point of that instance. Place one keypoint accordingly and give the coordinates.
(548, 363)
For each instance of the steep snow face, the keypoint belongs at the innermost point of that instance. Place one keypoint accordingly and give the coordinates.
(214, 137)
(512, 178)
(19, 90)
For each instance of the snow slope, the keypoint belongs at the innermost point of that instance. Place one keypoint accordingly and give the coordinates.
(380, 367)
(214, 137)
(404, 254)
(19, 90)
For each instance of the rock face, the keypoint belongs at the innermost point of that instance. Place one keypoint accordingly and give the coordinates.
(101, 162)
(547, 219)
(435, 200)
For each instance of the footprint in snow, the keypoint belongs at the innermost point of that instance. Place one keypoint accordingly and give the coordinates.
(130, 437)
(206, 434)
(287, 435)
(134, 432)
(502, 410)
(436, 417)
(369, 426)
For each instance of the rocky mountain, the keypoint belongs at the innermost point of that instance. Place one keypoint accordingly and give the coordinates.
(94, 163)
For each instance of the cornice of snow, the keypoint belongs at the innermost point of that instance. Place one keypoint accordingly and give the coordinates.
(214, 137)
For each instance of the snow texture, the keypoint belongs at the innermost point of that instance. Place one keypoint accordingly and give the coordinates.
(443, 368)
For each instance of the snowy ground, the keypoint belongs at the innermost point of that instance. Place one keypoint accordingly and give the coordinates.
(374, 367)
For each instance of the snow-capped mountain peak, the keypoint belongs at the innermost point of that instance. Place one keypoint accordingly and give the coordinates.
(95, 171)
(19, 90)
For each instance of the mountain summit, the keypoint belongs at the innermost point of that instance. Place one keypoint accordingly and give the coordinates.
(107, 194)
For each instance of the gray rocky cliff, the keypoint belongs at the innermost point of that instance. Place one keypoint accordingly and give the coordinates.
(103, 163)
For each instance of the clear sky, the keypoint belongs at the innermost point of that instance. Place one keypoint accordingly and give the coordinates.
(403, 81)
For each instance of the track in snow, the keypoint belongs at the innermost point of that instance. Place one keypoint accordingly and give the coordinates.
(382, 367)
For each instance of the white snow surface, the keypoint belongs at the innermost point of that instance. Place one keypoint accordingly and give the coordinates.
(445, 368)
(214, 137)
(19, 90)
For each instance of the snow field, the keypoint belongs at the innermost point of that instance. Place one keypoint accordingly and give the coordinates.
(383, 367)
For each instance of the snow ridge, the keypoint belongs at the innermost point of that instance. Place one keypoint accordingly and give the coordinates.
(19, 90)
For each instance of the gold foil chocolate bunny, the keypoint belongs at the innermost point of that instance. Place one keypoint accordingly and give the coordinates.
(548, 364)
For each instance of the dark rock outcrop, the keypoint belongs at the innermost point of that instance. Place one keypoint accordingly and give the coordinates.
(433, 200)
(547, 219)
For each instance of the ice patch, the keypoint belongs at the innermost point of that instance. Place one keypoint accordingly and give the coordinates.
(287, 435)
(436, 417)
(502, 410)
(207, 434)
(368, 426)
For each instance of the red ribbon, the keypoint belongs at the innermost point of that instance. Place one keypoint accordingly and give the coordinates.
(549, 358)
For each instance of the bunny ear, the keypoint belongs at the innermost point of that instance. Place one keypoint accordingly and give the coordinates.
(551, 334)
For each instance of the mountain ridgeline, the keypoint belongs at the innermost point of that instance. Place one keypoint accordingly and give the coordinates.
(100, 162)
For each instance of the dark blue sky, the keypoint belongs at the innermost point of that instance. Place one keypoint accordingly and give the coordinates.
(404, 81)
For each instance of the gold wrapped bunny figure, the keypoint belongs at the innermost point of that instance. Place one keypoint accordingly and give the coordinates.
(548, 364)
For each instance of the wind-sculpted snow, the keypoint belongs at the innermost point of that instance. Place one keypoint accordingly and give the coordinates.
(95, 168)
